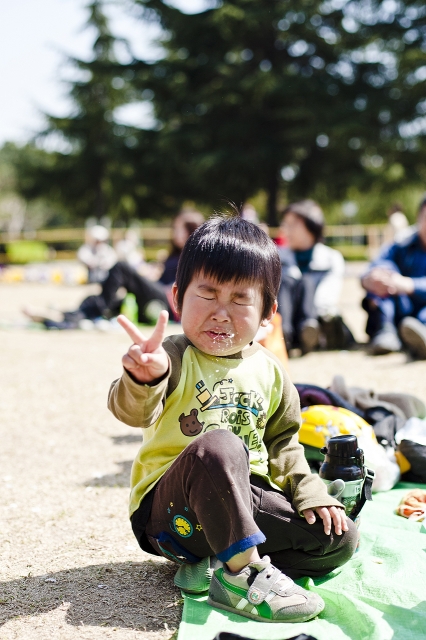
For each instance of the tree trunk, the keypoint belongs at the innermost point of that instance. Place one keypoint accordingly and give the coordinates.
(272, 199)
(100, 199)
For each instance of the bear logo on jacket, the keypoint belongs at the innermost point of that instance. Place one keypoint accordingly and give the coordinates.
(190, 425)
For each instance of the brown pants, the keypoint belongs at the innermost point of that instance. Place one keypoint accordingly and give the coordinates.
(207, 503)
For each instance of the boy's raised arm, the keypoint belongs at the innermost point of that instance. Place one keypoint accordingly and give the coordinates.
(146, 360)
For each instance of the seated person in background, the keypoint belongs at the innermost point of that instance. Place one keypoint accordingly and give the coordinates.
(396, 294)
(96, 254)
(398, 228)
(183, 226)
(312, 278)
(151, 297)
(129, 249)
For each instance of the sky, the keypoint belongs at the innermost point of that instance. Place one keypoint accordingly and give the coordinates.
(35, 38)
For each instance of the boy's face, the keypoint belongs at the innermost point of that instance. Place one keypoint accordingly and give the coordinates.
(221, 319)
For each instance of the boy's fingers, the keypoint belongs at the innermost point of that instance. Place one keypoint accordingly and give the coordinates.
(128, 362)
(135, 357)
(328, 516)
(157, 337)
(309, 516)
(337, 521)
(139, 357)
(132, 331)
(155, 361)
(135, 352)
(324, 514)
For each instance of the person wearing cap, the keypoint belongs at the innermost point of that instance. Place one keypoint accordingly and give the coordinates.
(398, 228)
(312, 278)
(396, 294)
(96, 254)
(151, 296)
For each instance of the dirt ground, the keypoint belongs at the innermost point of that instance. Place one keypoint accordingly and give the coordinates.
(70, 567)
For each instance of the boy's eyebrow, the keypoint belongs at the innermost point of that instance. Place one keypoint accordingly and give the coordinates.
(242, 295)
(236, 294)
(207, 287)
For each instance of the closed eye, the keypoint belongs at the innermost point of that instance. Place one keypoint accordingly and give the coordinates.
(204, 297)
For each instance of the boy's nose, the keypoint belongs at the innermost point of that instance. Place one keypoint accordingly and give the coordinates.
(221, 314)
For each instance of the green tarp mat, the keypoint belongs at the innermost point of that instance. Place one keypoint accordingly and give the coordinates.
(380, 594)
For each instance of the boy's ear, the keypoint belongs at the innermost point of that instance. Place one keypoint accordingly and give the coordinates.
(174, 296)
(269, 317)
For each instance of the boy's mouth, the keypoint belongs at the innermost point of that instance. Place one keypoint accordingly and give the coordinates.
(215, 334)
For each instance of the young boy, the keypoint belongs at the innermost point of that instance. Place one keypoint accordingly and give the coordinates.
(221, 474)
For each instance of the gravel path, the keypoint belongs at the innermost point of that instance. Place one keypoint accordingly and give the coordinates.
(70, 566)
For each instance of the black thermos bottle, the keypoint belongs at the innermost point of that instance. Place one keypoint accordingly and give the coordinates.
(344, 460)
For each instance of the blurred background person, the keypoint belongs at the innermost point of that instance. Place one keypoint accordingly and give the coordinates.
(397, 227)
(184, 224)
(249, 213)
(312, 278)
(96, 253)
(151, 296)
(396, 294)
(129, 249)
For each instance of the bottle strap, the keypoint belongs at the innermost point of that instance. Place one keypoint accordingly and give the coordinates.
(368, 484)
(366, 493)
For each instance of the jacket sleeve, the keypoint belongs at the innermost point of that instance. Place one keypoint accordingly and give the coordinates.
(327, 294)
(140, 405)
(387, 259)
(394, 258)
(288, 466)
(137, 405)
(420, 288)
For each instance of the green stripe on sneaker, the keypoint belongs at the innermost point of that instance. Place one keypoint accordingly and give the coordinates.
(238, 591)
(263, 609)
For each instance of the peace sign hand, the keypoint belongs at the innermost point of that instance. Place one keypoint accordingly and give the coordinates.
(146, 359)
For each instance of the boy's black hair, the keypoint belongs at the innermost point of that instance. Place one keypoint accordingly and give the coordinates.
(311, 214)
(231, 249)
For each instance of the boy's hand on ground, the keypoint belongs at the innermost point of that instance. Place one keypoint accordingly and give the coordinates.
(328, 515)
(146, 359)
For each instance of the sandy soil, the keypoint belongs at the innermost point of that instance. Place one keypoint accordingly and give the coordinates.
(69, 564)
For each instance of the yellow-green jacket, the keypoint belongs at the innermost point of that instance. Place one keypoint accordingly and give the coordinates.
(248, 393)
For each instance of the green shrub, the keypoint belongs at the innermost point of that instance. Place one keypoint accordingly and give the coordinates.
(23, 251)
(353, 252)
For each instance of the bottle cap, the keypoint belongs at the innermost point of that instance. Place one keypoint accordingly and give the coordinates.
(343, 447)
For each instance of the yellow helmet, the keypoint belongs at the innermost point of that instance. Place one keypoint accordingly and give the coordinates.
(321, 422)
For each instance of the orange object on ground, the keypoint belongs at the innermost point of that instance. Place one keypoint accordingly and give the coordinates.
(272, 338)
(402, 461)
(413, 505)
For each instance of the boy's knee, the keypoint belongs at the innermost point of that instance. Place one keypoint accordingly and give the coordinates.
(350, 540)
(219, 444)
(343, 547)
(340, 550)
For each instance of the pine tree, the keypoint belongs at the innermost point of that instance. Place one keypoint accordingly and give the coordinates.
(306, 97)
(91, 176)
